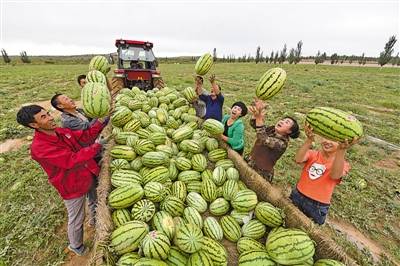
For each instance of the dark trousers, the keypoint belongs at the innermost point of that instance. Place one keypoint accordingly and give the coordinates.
(240, 151)
(317, 211)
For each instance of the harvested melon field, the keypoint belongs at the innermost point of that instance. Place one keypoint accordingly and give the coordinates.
(364, 217)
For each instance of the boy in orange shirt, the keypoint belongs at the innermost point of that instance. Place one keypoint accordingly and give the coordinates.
(322, 171)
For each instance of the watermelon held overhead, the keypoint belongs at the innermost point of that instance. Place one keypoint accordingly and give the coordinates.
(95, 99)
(334, 124)
(270, 83)
(99, 63)
(204, 64)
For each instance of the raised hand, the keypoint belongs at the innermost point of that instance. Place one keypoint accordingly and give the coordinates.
(309, 132)
(212, 79)
(346, 144)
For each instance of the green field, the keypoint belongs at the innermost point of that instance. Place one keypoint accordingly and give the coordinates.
(32, 212)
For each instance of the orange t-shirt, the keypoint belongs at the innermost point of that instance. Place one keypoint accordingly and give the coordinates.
(315, 181)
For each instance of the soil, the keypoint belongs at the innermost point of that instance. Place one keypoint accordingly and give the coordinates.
(392, 162)
(356, 237)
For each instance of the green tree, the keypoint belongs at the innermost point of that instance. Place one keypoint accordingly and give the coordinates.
(291, 58)
(297, 53)
(334, 58)
(6, 58)
(258, 54)
(215, 58)
(276, 58)
(386, 55)
(282, 56)
(361, 59)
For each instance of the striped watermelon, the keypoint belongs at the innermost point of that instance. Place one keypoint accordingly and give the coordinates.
(165, 149)
(244, 200)
(123, 197)
(176, 257)
(189, 238)
(289, 246)
(219, 207)
(219, 176)
(157, 138)
(328, 262)
(153, 158)
(122, 178)
(128, 259)
(206, 174)
(232, 173)
(121, 116)
(253, 229)
(217, 155)
(96, 76)
(136, 164)
(191, 215)
(225, 163)
(190, 94)
(163, 222)
(182, 133)
(208, 190)
(211, 144)
(143, 133)
(200, 258)
(241, 217)
(154, 191)
(173, 171)
(193, 199)
(270, 83)
(199, 162)
(268, 214)
(123, 136)
(150, 262)
(178, 190)
(127, 237)
(155, 245)
(99, 63)
(212, 229)
(120, 216)
(255, 258)
(95, 99)
(249, 244)
(231, 228)
(173, 205)
(156, 174)
(135, 105)
(190, 145)
(189, 176)
(143, 210)
(123, 152)
(132, 126)
(119, 164)
(156, 128)
(213, 126)
(194, 186)
(229, 189)
(203, 64)
(183, 163)
(334, 124)
(216, 250)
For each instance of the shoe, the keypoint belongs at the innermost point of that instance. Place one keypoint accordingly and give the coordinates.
(78, 251)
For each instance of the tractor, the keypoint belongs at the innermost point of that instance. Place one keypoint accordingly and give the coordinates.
(136, 66)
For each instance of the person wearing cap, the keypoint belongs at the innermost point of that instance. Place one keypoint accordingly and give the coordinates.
(234, 127)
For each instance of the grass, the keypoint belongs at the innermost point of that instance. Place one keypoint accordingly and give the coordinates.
(32, 211)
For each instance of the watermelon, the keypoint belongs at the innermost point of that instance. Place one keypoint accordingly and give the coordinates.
(123, 177)
(253, 229)
(231, 228)
(128, 259)
(121, 116)
(200, 258)
(255, 258)
(212, 229)
(217, 155)
(211, 144)
(176, 257)
(153, 158)
(244, 200)
(126, 196)
(203, 64)
(289, 246)
(127, 237)
(208, 190)
(163, 222)
(95, 99)
(191, 215)
(196, 201)
(99, 63)
(232, 173)
(219, 207)
(143, 210)
(190, 94)
(328, 262)
(178, 190)
(173, 205)
(229, 189)
(268, 214)
(249, 244)
(182, 133)
(96, 76)
(154, 191)
(334, 124)
(270, 83)
(199, 162)
(155, 245)
(120, 216)
(189, 238)
(219, 176)
(156, 174)
(150, 262)
(119, 164)
(213, 126)
(123, 152)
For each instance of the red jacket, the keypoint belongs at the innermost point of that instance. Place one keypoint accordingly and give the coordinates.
(69, 165)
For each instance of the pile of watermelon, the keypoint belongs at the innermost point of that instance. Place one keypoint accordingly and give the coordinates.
(176, 195)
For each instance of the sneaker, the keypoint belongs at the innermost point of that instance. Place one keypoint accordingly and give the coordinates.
(78, 251)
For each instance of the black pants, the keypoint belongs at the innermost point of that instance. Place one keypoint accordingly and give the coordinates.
(240, 151)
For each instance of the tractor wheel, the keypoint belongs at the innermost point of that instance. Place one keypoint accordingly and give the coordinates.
(116, 85)
(159, 83)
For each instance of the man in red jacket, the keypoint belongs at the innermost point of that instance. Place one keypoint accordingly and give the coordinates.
(67, 157)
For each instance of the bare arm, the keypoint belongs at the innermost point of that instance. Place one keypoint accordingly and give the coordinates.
(338, 163)
(301, 153)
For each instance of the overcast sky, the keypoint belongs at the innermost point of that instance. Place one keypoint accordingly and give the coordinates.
(194, 27)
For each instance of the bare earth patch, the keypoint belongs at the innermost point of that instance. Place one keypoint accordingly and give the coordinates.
(359, 239)
(392, 162)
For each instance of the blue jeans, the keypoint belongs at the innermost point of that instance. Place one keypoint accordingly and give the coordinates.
(317, 211)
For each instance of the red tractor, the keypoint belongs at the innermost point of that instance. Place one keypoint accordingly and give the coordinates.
(136, 66)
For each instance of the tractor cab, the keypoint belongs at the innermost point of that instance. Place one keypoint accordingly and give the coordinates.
(136, 64)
